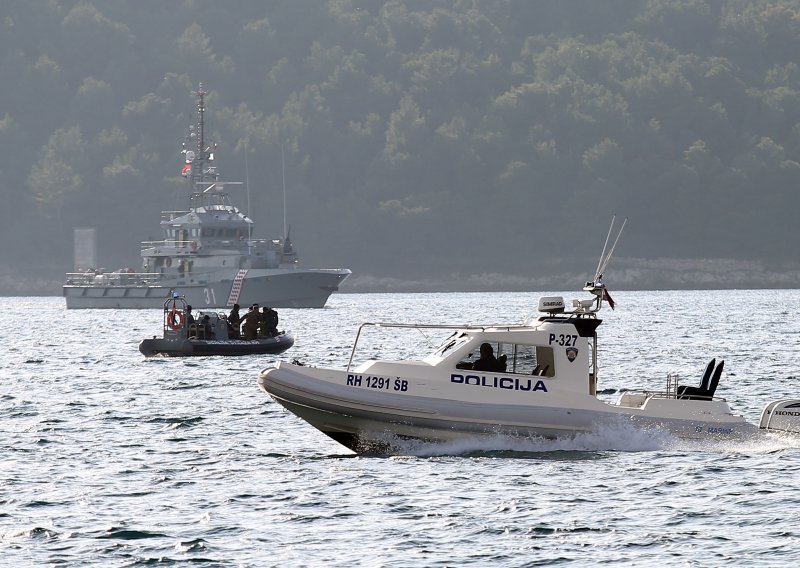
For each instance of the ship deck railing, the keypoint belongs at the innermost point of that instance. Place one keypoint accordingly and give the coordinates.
(169, 216)
(194, 244)
(104, 279)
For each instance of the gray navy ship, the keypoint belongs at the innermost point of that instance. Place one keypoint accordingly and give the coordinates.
(207, 254)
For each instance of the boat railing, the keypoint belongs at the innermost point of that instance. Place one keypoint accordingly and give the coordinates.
(185, 244)
(193, 244)
(170, 215)
(672, 385)
(167, 244)
(422, 326)
(637, 398)
(671, 391)
(102, 279)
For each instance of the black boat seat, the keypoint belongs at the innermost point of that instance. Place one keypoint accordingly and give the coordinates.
(714, 383)
(708, 384)
(693, 393)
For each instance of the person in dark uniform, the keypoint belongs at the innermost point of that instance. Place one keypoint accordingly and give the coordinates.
(234, 319)
(191, 327)
(205, 327)
(488, 362)
(269, 323)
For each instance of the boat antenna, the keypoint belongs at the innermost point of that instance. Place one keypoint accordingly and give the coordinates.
(283, 174)
(602, 254)
(201, 135)
(596, 286)
(605, 258)
(247, 185)
(195, 167)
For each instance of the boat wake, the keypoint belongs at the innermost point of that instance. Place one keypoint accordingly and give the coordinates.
(620, 437)
(761, 442)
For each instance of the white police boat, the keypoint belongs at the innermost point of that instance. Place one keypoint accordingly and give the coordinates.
(543, 384)
(210, 334)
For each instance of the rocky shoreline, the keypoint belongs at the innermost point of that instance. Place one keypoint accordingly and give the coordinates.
(625, 274)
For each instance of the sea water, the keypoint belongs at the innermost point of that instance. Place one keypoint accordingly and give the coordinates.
(111, 459)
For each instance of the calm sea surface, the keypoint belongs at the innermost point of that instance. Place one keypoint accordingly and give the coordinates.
(110, 459)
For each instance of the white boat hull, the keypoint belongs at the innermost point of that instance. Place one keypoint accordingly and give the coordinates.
(367, 419)
(290, 288)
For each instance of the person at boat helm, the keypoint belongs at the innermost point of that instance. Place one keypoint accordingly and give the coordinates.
(250, 322)
(487, 361)
(191, 328)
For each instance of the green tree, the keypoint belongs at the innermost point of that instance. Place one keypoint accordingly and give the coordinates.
(55, 179)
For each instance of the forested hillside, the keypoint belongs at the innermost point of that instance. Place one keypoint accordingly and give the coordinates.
(475, 143)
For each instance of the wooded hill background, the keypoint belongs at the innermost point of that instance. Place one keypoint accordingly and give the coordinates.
(437, 144)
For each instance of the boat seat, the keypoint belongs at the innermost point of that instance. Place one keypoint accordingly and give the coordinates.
(712, 385)
(693, 393)
(705, 381)
(501, 363)
(708, 384)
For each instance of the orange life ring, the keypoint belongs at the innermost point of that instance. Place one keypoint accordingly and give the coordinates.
(175, 319)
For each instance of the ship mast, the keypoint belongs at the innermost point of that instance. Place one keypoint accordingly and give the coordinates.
(203, 176)
(201, 139)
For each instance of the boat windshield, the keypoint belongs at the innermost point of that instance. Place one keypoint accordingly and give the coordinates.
(529, 359)
(517, 358)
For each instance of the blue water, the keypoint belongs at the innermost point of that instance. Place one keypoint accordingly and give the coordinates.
(110, 459)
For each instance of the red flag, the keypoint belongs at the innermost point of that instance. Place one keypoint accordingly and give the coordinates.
(607, 298)
(187, 170)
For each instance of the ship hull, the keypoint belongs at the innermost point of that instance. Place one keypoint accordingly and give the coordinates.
(369, 420)
(291, 288)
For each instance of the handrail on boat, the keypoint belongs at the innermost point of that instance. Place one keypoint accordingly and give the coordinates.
(103, 279)
(672, 385)
(671, 391)
(426, 326)
(194, 243)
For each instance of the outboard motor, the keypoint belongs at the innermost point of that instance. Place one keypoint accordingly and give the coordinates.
(781, 416)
